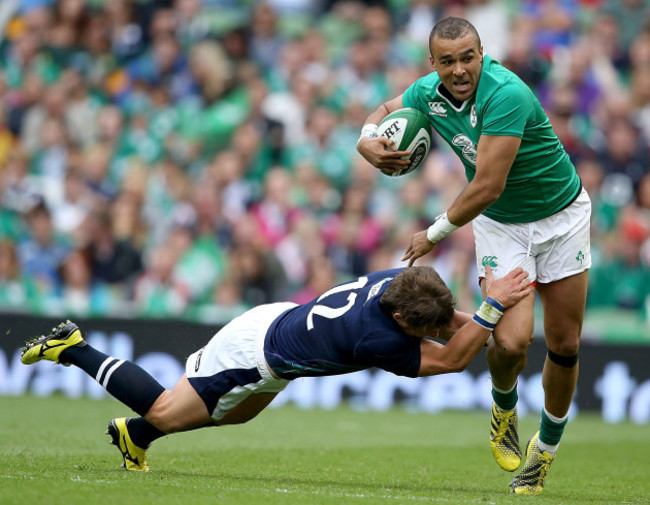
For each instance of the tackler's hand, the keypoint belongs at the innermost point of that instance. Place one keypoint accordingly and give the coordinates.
(509, 289)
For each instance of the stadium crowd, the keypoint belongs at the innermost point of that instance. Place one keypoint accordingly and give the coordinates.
(193, 159)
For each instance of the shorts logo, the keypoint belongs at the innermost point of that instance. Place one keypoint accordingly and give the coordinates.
(489, 260)
(580, 258)
(438, 109)
(198, 359)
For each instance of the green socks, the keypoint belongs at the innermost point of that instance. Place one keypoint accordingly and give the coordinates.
(550, 432)
(505, 400)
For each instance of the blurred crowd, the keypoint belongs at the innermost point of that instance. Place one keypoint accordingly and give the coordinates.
(188, 158)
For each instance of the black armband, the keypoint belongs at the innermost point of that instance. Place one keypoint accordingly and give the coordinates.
(565, 361)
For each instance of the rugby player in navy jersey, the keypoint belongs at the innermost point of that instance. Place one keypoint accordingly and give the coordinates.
(379, 320)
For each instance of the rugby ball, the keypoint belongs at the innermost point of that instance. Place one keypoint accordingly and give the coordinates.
(410, 130)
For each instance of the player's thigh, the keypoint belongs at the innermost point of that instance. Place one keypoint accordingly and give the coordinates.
(247, 409)
(502, 246)
(231, 366)
(178, 409)
(514, 331)
(564, 309)
(562, 242)
(505, 247)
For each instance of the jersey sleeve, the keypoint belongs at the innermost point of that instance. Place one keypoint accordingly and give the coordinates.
(507, 111)
(413, 95)
(410, 95)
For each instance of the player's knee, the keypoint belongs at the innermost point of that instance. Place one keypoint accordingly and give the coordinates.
(512, 349)
(563, 351)
(564, 343)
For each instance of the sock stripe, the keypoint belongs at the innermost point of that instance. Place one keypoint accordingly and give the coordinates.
(505, 391)
(555, 419)
(103, 366)
(110, 372)
(123, 379)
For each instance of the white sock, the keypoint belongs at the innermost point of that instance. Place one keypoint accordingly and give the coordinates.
(547, 447)
(504, 391)
(555, 419)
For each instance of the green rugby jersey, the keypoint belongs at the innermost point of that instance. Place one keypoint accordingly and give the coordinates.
(542, 180)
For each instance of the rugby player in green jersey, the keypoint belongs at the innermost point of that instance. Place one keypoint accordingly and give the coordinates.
(528, 209)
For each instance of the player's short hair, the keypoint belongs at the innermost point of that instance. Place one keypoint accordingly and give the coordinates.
(421, 297)
(452, 28)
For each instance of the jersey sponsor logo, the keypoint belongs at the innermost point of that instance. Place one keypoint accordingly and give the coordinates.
(376, 287)
(438, 109)
(489, 260)
(468, 147)
(472, 116)
(392, 130)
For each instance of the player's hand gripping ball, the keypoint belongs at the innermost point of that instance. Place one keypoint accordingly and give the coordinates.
(410, 130)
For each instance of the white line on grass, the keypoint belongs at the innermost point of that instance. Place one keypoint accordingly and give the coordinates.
(380, 496)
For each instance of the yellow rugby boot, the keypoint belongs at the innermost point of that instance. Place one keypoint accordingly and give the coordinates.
(50, 346)
(504, 439)
(135, 458)
(531, 478)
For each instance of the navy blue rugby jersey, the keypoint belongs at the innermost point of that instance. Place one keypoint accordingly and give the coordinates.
(343, 330)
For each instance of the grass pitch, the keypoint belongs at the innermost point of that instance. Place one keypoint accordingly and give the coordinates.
(53, 451)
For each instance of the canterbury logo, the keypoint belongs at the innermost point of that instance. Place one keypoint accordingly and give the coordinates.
(438, 109)
(489, 260)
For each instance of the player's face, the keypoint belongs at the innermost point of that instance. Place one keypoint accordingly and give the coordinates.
(458, 63)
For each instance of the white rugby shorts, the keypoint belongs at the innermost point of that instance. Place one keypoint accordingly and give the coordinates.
(550, 249)
(231, 366)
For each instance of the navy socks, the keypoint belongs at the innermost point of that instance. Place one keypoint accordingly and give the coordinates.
(126, 381)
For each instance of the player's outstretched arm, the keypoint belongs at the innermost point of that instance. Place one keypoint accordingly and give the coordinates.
(460, 319)
(471, 337)
(495, 155)
(418, 247)
(494, 158)
(379, 151)
(424, 241)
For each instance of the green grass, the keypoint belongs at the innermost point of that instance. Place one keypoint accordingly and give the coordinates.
(53, 451)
